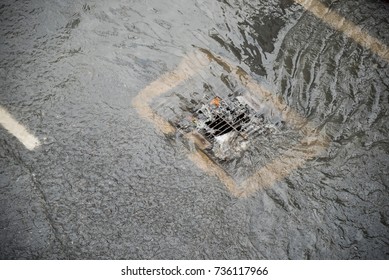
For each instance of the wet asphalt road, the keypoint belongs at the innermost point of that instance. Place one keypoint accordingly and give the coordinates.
(105, 184)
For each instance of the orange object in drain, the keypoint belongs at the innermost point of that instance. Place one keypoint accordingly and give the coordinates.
(216, 101)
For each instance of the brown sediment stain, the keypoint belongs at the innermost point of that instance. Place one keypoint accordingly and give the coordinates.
(288, 114)
(198, 139)
(210, 167)
(311, 145)
(268, 175)
(218, 60)
(188, 67)
(283, 165)
(345, 26)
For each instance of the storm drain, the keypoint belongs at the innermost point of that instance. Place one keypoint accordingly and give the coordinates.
(223, 127)
(232, 126)
(214, 112)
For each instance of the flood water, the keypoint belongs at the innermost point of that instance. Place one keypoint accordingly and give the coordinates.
(106, 184)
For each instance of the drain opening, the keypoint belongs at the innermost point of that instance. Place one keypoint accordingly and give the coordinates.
(223, 126)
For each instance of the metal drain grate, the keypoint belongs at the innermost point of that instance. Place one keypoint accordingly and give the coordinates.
(224, 126)
(222, 116)
(218, 117)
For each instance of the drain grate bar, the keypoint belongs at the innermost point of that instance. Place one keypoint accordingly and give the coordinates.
(233, 125)
(213, 116)
(220, 116)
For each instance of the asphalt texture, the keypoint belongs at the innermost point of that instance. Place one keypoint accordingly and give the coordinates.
(106, 184)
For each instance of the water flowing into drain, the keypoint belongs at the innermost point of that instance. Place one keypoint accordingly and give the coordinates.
(224, 126)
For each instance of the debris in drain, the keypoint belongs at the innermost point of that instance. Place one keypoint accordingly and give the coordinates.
(223, 127)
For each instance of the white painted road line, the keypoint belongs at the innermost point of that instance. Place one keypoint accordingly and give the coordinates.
(18, 130)
(341, 24)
